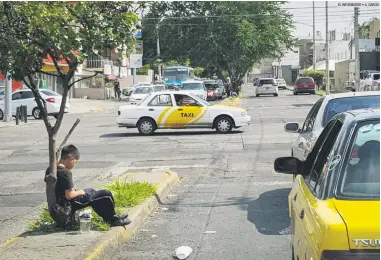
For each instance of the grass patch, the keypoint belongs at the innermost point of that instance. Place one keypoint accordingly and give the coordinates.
(126, 194)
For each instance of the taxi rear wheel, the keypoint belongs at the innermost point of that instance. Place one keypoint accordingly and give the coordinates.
(224, 125)
(146, 126)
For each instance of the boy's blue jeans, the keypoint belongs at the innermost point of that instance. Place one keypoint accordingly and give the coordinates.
(101, 201)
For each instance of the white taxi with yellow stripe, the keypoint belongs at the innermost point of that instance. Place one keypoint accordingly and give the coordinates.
(180, 109)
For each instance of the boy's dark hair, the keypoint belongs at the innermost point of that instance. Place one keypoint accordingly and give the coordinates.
(69, 151)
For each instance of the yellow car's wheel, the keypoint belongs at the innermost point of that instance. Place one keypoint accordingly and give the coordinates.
(224, 124)
(146, 126)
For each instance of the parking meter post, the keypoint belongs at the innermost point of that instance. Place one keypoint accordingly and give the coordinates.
(17, 115)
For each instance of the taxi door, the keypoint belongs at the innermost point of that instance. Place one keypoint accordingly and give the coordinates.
(189, 113)
(159, 108)
(308, 194)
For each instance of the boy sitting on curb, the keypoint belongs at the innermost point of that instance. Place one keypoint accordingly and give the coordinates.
(102, 201)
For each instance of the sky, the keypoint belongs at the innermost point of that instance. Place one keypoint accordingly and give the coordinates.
(340, 18)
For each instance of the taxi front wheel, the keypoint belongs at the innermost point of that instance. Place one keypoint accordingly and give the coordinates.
(146, 126)
(224, 125)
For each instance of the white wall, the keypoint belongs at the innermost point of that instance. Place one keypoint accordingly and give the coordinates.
(291, 57)
(339, 51)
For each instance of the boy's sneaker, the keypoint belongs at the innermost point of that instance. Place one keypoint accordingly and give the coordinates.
(120, 222)
(123, 216)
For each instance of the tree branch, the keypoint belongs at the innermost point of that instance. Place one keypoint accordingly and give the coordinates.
(58, 153)
(89, 77)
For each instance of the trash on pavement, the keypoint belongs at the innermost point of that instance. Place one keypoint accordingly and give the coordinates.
(183, 252)
(210, 232)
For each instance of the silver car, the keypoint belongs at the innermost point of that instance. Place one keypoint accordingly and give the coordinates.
(320, 114)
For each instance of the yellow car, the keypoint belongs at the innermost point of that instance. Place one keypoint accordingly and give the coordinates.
(334, 204)
(180, 109)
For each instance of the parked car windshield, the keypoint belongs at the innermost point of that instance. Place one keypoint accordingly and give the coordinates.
(193, 86)
(211, 86)
(160, 87)
(339, 105)
(361, 176)
(143, 90)
(280, 81)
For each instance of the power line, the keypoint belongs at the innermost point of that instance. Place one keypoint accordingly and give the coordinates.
(376, 11)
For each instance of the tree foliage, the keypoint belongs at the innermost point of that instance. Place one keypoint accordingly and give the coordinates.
(66, 32)
(219, 36)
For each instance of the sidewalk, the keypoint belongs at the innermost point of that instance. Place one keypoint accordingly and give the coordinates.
(81, 106)
(94, 244)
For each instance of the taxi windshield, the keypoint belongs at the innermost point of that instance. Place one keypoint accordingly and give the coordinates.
(361, 176)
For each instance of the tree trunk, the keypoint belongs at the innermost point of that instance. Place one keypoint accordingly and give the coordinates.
(51, 178)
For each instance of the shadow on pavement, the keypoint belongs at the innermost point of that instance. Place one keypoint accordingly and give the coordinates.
(269, 212)
(179, 133)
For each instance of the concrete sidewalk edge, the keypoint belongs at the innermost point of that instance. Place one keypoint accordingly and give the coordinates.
(113, 239)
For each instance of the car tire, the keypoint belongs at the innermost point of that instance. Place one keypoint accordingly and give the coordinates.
(224, 125)
(257, 95)
(36, 113)
(295, 93)
(1, 114)
(146, 126)
(314, 93)
(276, 94)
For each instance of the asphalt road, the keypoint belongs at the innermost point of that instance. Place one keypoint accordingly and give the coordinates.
(230, 203)
(228, 183)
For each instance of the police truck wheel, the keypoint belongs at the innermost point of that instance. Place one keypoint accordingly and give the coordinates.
(36, 113)
(146, 126)
(224, 125)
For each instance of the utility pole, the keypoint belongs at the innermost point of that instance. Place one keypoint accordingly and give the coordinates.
(8, 98)
(313, 29)
(327, 86)
(357, 49)
(158, 55)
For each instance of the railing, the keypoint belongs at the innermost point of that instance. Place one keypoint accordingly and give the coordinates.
(97, 62)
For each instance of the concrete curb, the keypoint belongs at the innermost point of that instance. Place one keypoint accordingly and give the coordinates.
(112, 239)
(292, 89)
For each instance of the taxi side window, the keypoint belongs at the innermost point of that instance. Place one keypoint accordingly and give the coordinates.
(185, 100)
(311, 117)
(161, 101)
(320, 166)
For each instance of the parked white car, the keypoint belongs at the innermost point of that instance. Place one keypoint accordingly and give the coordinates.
(281, 83)
(25, 97)
(141, 93)
(195, 87)
(266, 86)
(180, 109)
